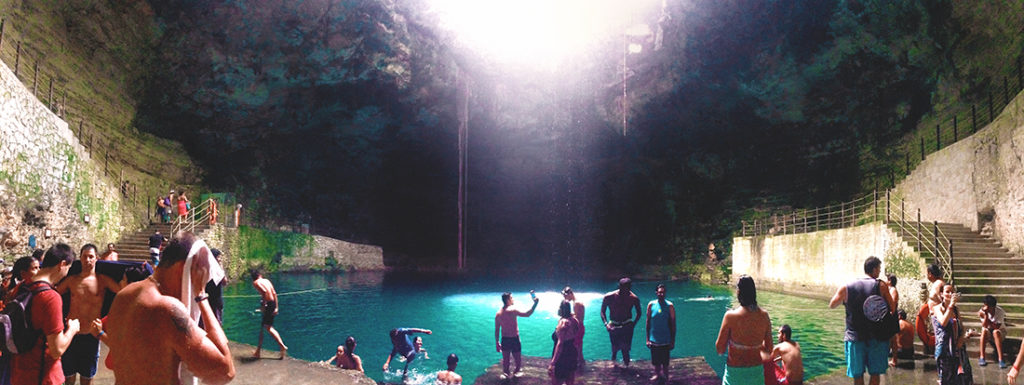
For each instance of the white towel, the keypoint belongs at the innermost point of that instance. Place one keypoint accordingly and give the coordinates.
(188, 293)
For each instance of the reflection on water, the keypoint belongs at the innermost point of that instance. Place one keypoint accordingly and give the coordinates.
(318, 311)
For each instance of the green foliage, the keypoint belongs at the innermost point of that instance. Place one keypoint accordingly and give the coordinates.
(268, 247)
(899, 262)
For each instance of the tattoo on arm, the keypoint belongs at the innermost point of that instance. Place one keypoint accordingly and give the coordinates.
(182, 321)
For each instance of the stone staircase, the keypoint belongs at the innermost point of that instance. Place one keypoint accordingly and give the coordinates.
(135, 247)
(981, 266)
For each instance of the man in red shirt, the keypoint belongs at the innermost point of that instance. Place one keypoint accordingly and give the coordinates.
(45, 311)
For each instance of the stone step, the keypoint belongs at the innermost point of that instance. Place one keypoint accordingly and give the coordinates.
(973, 260)
(1016, 280)
(963, 274)
(996, 290)
(972, 267)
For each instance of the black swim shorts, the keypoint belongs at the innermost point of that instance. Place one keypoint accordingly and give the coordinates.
(268, 313)
(511, 344)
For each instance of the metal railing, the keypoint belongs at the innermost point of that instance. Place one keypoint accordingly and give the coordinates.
(205, 212)
(925, 237)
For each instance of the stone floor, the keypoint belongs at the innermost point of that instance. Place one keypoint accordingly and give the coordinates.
(689, 370)
(920, 371)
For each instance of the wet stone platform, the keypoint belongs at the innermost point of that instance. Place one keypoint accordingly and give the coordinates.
(688, 370)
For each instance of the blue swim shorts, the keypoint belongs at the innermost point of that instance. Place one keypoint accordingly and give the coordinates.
(81, 356)
(871, 353)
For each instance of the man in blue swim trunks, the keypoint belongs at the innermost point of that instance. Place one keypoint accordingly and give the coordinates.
(402, 345)
(620, 305)
(507, 327)
(862, 348)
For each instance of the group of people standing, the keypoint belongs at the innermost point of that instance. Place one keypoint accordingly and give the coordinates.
(620, 311)
(173, 203)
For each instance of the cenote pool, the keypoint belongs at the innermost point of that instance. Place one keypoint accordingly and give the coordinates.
(318, 311)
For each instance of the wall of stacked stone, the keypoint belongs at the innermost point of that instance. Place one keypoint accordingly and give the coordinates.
(978, 181)
(47, 179)
(814, 264)
(345, 256)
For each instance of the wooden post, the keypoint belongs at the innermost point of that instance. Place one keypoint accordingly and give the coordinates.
(974, 117)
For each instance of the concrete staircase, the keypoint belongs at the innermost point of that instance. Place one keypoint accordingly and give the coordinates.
(981, 265)
(135, 247)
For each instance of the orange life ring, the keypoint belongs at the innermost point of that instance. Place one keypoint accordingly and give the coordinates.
(921, 323)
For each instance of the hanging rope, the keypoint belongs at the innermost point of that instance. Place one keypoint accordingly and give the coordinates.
(279, 294)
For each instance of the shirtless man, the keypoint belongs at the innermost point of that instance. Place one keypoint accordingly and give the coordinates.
(150, 333)
(506, 326)
(788, 352)
(620, 305)
(449, 377)
(935, 285)
(110, 254)
(268, 305)
(87, 292)
(578, 311)
(346, 357)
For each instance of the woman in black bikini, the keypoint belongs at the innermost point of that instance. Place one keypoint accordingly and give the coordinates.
(562, 369)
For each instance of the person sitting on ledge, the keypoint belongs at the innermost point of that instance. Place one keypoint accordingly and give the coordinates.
(346, 357)
(787, 353)
(993, 329)
(904, 341)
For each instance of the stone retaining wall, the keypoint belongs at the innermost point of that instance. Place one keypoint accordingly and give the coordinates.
(813, 264)
(47, 179)
(978, 181)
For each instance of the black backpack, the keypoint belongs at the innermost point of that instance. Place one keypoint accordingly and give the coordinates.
(15, 320)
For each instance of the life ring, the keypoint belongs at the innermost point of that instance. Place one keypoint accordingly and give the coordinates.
(923, 316)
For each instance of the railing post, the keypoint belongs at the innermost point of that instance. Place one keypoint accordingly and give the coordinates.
(956, 136)
(919, 245)
(1020, 70)
(991, 115)
(974, 117)
(1006, 91)
(935, 235)
(743, 228)
(888, 209)
(49, 95)
(17, 58)
(951, 262)
(2, 21)
(922, 148)
(35, 77)
(874, 197)
(938, 138)
(906, 160)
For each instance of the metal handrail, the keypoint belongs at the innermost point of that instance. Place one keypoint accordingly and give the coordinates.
(873, 207)
(198, 214)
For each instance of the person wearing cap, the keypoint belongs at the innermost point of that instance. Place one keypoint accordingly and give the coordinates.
(449, 377)
(620, 320)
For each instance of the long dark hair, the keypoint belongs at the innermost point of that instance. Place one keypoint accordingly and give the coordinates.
(746, 293)
(565, 309)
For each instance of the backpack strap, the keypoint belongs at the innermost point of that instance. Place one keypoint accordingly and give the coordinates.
(36, 288)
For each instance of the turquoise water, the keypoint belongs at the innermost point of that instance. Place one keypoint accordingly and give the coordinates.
(318, 311)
